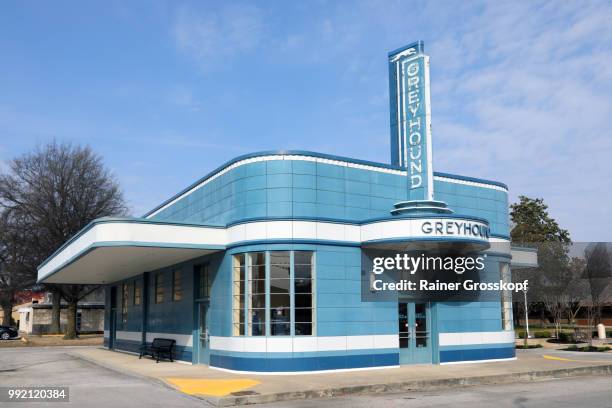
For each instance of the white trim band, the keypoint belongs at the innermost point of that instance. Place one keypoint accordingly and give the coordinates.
(130, 233)
(184, 340)
(128, 335)
(303, 344)
(339, 370)
(473, 338)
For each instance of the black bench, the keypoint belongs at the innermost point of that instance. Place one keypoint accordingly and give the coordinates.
(160, 348)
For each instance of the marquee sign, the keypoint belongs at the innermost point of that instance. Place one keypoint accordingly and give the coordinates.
(411, 118)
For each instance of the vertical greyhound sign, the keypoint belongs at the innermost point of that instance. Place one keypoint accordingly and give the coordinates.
(411, 118)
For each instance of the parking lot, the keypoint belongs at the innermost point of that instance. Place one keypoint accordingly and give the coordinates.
(89, 385)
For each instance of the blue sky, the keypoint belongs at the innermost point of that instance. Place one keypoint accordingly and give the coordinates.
(166, 91)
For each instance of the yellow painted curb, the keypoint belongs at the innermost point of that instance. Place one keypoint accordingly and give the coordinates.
(574, 361)
(215, 388)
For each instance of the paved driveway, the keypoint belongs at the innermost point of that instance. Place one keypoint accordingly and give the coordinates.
(90, 385)
(583, 392)
(95, 386)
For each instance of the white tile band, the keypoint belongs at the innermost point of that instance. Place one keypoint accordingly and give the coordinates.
(303, 344)
(184, 340)
(476, 338)
(188, 236)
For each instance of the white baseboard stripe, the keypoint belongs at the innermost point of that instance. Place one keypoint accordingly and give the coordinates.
(342, 370)
(479, 361)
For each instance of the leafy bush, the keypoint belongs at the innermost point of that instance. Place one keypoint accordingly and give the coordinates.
(588, 348)
(538, 334)
(542, 334)
(529, 346)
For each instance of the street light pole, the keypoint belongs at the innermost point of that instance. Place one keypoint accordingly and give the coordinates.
(526, 318)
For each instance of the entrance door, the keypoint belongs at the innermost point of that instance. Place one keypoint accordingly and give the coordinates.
(414, 327)
(112, 322)
(203, 334)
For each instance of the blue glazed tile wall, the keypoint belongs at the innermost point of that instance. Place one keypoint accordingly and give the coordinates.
(478, 202)
(298, 188)
(477, 316)
(289, 188)
(340, 311)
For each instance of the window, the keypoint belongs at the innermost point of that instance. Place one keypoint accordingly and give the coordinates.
(159, 287)
(280, 295)
(137, 294)
(239, 293)
(279, 287)
(177, 293)
(302, 287)
(124, 304)
(506, 297)
(257, 298)
(204, 283)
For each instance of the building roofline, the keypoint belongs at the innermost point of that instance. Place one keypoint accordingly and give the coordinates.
(310, 154)
(108, 220)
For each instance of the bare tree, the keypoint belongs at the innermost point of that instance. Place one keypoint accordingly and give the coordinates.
(15, 272)
(556, 279)
(577, 290)
(598, 273)
(60, 188)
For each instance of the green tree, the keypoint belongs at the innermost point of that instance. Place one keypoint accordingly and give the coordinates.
(534, 227)
(532, 224)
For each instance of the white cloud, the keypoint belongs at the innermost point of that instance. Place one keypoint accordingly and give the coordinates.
(531, 105)
(521, 91)
(182, 96)
(211, 37)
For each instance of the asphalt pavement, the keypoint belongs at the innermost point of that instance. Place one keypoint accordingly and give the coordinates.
(583, 392)
(89, 385)
(92, 385)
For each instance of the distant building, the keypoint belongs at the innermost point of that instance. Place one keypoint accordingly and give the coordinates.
(34, 317)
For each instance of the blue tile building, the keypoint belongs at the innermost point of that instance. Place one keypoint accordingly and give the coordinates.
(258, 265)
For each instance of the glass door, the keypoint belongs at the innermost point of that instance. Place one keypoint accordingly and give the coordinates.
(414, 329)
(203, 334)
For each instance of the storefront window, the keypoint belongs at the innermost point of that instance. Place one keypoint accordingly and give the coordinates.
(177, 292)
(280, 297)
(302, 287)
(137, 295)
(239, 293)
(203, 273)
(257, 294)
(159, 287)
(285, 294)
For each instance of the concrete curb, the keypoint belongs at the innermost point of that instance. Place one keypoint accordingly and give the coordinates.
(212, 401)
(414, 385)
(391, 387)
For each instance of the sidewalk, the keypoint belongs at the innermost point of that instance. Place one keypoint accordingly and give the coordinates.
(225, 389)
